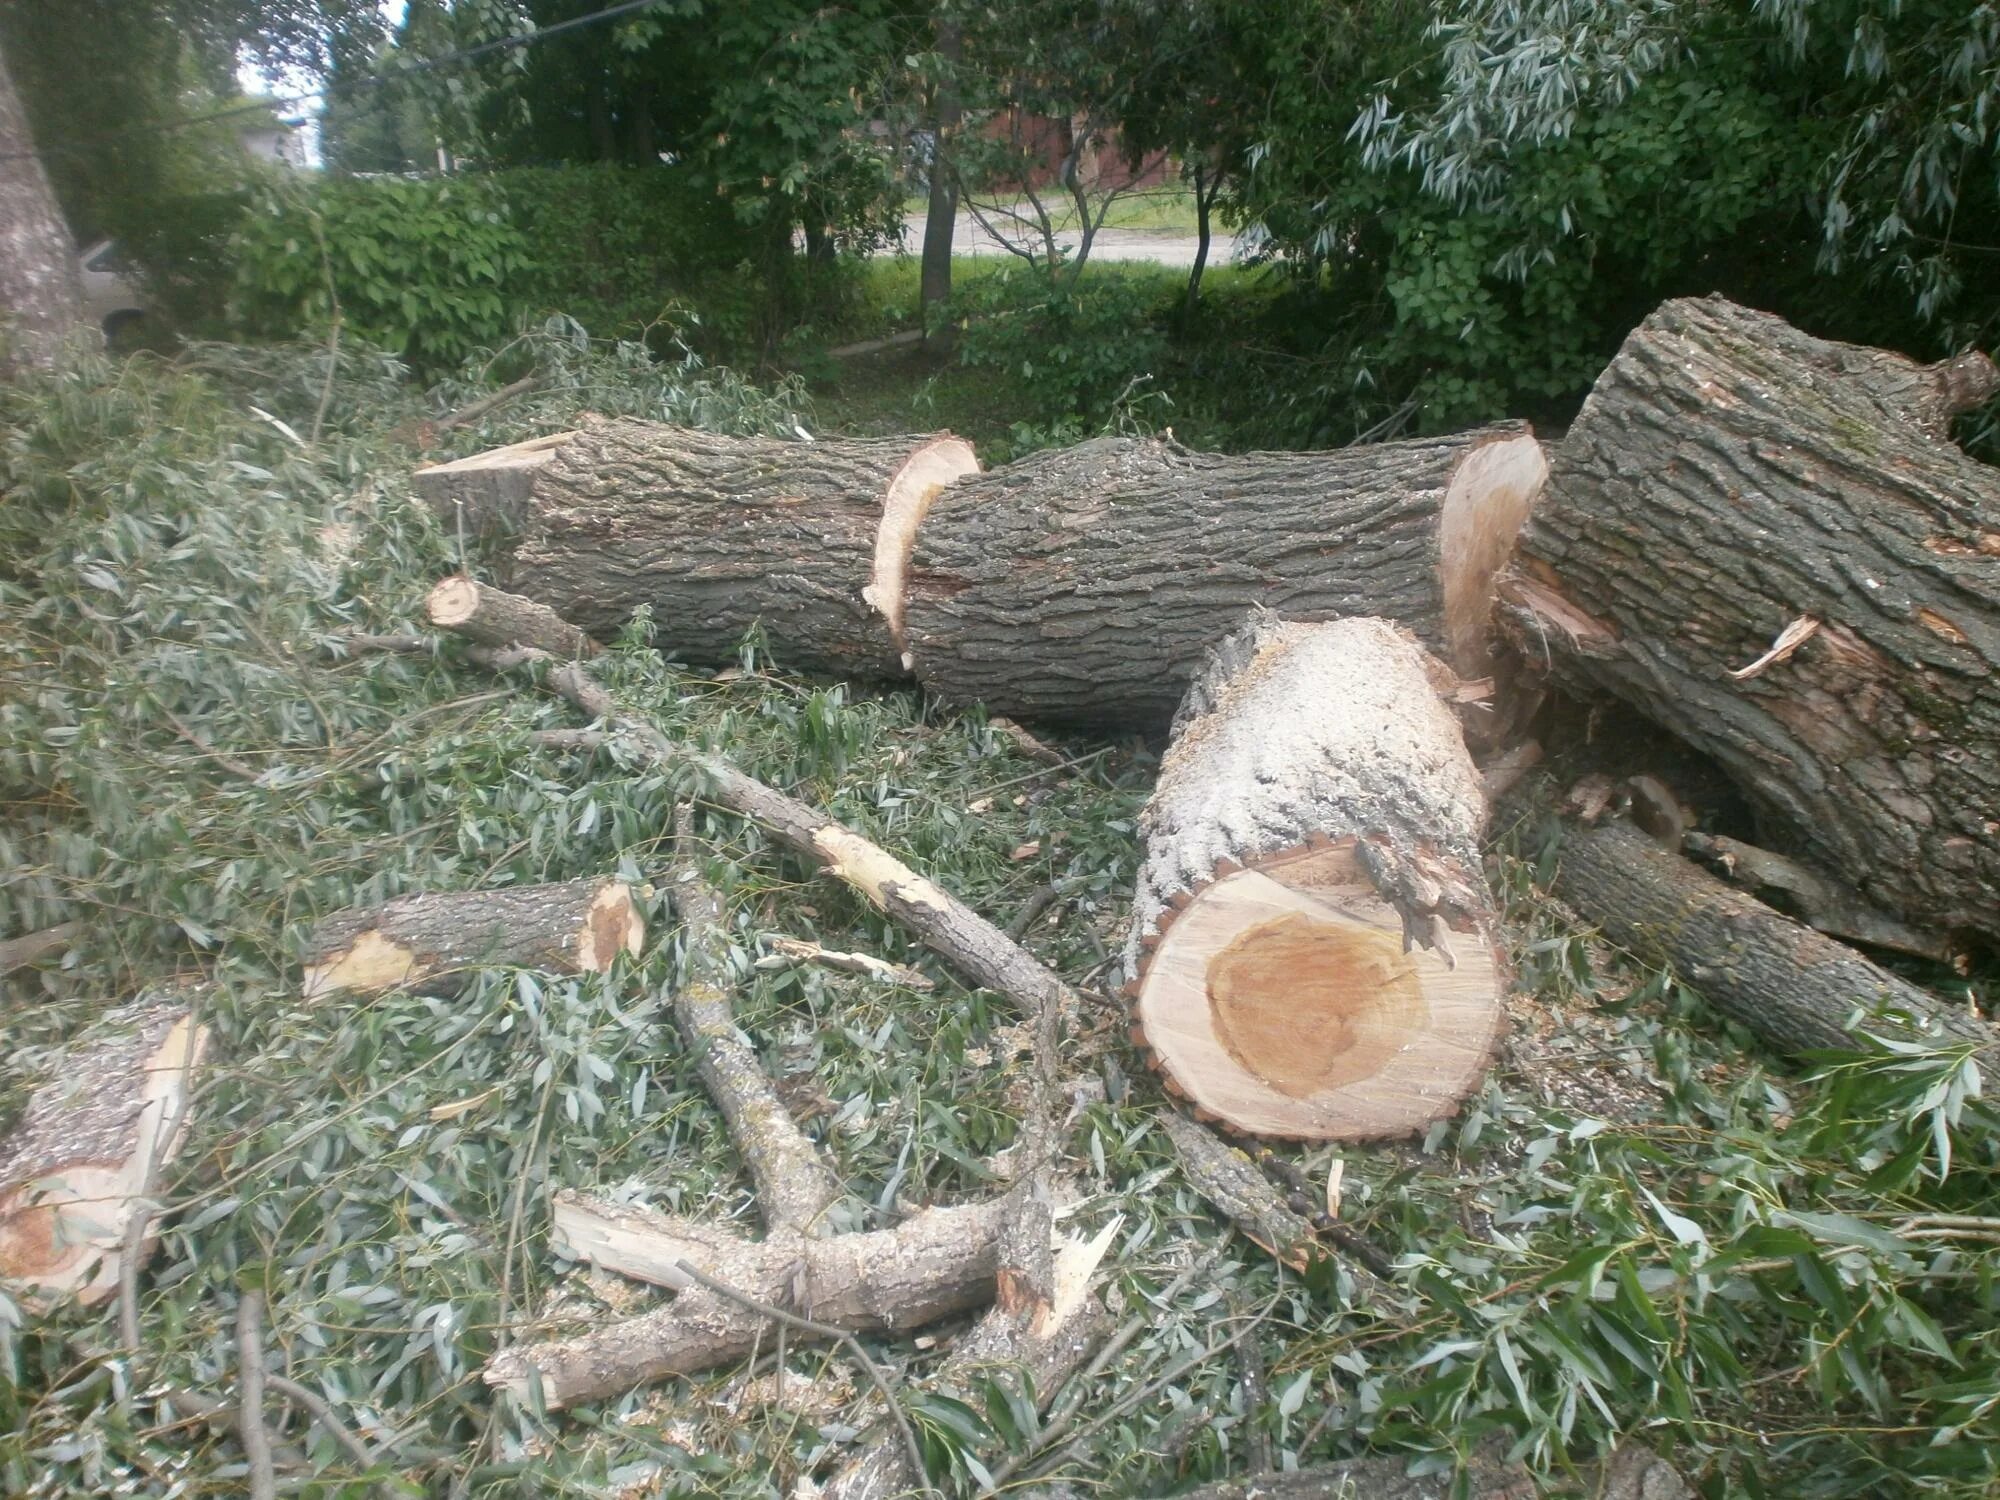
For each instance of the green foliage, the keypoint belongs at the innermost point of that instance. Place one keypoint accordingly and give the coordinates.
(432, 269)
(1076, 352)
(419, 268)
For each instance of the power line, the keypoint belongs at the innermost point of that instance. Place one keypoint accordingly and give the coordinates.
(370, 81)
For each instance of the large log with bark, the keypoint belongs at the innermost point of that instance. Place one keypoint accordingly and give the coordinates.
(89, 1147)
(1312, 947)
(1083, 585)
(714, 534)
(573, 927)
(1080, 586)
(1768, 543)
(1796, 988)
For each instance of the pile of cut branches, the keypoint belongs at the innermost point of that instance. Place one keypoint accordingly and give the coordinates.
(544, 1139)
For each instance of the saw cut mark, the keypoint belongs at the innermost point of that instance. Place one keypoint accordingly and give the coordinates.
(1354, 1001)
(922, 478)
(1483, 512)
(371, 962)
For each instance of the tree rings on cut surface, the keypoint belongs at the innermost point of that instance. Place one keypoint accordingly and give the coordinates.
(1312, 943)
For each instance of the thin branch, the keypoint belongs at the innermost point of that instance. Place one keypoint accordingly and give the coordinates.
(839, 1335)
(250, 1428)
(317, 1408)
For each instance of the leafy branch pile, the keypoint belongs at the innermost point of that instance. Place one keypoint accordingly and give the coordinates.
(1785, 1282)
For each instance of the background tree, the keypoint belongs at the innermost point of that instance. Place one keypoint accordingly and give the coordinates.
(41, 301)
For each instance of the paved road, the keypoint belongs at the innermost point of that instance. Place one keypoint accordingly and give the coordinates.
(1164, 247)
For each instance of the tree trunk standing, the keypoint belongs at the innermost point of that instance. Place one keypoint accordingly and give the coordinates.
(1768, 544)
(1206, 186)
(41, 289)
(1792, 986)
(1312, 948)
(1085, 585)
(941, 214)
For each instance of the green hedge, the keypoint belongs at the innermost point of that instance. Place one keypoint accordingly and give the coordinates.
(433, 268)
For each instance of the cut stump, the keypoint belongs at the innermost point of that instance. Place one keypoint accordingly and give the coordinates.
(82, 1154)
(1768, 544)
(575, 927)
(1084, 585)
(1312, 945)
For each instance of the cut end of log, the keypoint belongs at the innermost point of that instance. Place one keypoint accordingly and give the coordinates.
(921, 479)
(613, 926)
(1281, 999)
(77, 1163)
(1483, 512)
(486, 491)
(452, 602)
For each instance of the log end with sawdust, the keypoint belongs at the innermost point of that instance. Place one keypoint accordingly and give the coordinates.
(573, 927)
(1312, 951)
(93, 1137)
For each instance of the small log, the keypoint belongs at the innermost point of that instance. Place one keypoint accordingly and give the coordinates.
(1312, 945)
(1822, 904)
(936, 1263)
(1768, 544)
(491, 617)
(1084, 585)
(795, 1187)
(1228, 1179)
(716, 535)
(18, 953)
(1798, 990)
(575, 927)
(77, 1163)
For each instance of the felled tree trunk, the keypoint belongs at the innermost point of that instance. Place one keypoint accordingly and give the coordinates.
(1312, 944)
(715, 535)
(576, 927)
(1085, 584)
(1768, 543)
(1796, 988)
(87, 1147)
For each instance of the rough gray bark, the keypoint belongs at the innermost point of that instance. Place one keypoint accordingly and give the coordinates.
(717, 535)
(1794, 987)
(41, 288)
(79, 1159)
(1733, 484)
(794, 1186)
(574, 927)
(1229, 1180)
(941, 209)
(1316, 816)
(492, 617)
(1084, 584)
(18, 953)
(939, 1262)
